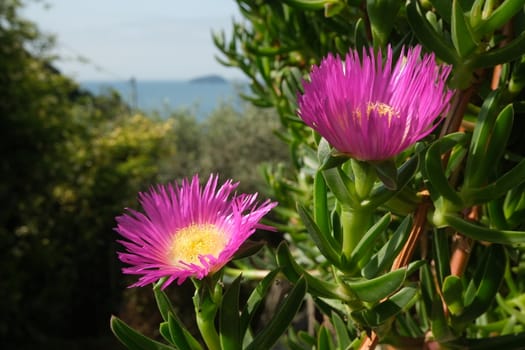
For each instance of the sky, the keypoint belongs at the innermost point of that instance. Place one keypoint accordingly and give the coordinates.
(146, 40)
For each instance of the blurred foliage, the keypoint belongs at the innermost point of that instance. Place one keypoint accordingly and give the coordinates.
(233, 142)
(70, 162)
(236, 143)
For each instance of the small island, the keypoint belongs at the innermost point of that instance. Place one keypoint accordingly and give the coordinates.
(212, 78)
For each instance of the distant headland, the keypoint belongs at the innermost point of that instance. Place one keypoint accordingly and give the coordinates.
(212, 78)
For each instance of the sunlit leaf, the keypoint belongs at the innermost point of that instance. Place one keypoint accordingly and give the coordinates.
(281, 319)
(133, 339)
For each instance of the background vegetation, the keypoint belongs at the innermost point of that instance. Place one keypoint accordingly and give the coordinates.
(70, 162)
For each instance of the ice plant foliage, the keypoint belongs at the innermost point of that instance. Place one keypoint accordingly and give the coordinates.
(372, 111)
(187, 230)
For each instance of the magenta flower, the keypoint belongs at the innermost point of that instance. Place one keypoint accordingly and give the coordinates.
(187, 231)
(372, 111)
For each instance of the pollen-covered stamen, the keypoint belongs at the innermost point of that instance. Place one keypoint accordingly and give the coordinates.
(194, 240)
(382, 110)
(356, 114)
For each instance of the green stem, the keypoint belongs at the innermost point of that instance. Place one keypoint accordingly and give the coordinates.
(206, 307)
(246, 273)
(364, 177)
(355, 223)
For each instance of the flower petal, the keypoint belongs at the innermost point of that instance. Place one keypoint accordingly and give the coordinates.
(149, 237)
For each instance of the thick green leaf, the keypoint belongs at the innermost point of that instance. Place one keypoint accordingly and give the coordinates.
(341, 331)
(407, 326)
(387, 309)
(294, 272)
(434, 166)
(517, 78)
(163, 302)
(309, 4)
(456, 158)
(431, 310)
(342, 187)
(205, 305)
(321, 214)
(378, 288)
(180, 336)
(363, 247)
(510, 341)
(440, 327)
(405, 173)
(482, 233)
(476, 15)
(477, 162)
(415, 265)
(443, 8)
(512, 308)
(306, 338)
(387, 172)
(164, 330)
(508, 53)
(501, 15)
(495, 214)
(333, 8)
(511, 179)
(428, 289)
(324, 339)
(360, 37)
(380, 24)
(441, 254)
(269, 50)
(384, 258)
(434, 21)
(405, 203)
(426, 34)
(453, 294)
(133, 339)
(229, 320)
(462, 36)
(514, 205)
(294, 343)
(475, 280)
(175, 333)
(332, 160)
(294, 78)
(492, 271)
(255, 299)
(364, 177)
(323, 240)
(282, 318)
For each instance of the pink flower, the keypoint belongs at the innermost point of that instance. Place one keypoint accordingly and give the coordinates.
(187, 231)
(372, 111)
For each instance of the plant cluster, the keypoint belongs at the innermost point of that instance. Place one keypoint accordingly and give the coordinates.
(403, 215)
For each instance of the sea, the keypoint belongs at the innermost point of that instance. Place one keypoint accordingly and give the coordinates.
(163, 97)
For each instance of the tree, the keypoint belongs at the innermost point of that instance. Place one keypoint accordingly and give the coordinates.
(70, 162)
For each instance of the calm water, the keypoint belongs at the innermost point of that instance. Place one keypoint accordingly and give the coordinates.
(164, 96)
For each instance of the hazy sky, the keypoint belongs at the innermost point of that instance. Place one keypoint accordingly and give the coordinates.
(156, 39)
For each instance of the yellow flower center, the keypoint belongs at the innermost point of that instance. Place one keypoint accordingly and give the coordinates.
(194, 240)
